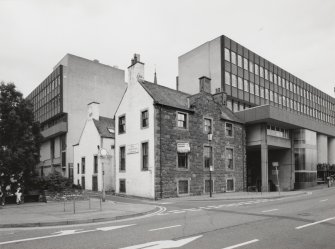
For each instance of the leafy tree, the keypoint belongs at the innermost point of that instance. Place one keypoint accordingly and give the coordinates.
(19, 136)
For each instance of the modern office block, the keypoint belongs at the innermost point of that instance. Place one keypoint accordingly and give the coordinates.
(288, 120)
(60, 102)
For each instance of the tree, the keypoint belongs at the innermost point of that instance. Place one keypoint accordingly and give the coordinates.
(19, 136)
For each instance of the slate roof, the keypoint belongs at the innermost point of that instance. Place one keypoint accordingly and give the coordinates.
(173, 98)
(102, 126)
(166, 96)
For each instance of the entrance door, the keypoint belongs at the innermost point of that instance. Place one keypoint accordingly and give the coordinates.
(83, 182)
(94, 183)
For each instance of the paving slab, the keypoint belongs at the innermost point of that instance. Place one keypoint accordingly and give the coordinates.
(66, 213)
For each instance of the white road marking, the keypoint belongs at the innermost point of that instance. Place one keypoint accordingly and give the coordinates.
(192, 209)
(164, 244)
(105, 229)
(324, 200)
(162, 228)
(166, 203)
(42, 237)
(64, 233)
(270, 210)
(242, 244)
(315, 223)
(178, 211)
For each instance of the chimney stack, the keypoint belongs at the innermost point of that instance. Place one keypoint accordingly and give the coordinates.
(93, 110)
(205, 84)
(135, 70)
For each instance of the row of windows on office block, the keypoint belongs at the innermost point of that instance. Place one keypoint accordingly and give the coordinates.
(277, 131)
(269, 95)
(235, 106)
(48, 110)
(183, 186)
(182, 122)
(83, 165)
(49, 84)
(183, 159)
(244, 63)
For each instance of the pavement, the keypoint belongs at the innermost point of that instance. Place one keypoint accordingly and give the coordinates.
(114, 208)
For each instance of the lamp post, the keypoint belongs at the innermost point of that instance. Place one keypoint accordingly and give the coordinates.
(211, 169)
(102, 155)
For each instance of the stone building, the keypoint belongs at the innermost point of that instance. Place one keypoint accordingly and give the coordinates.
(169, 149)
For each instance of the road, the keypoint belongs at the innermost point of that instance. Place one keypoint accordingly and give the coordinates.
(293, 222)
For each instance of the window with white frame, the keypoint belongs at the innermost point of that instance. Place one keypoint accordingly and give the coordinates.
(182, 120)
(230, 158)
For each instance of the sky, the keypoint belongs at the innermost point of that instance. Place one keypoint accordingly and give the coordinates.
(297, 35)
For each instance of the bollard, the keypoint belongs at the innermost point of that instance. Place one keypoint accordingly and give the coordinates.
(74, 205)
(89, 202)
(100, 204)
(64, 204)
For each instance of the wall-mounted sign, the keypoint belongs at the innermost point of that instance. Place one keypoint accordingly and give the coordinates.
(132, 148)
(183, 147)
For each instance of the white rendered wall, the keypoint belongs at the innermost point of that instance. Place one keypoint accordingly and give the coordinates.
(87, 148)
(138, 182)
(331, 150)
(322, 148)
(204, 60)
(86, 81)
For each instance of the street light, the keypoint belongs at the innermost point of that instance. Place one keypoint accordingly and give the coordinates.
(211, 169)
(102, 155)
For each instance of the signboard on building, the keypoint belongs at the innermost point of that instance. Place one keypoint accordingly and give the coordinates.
(183, 147)
(132, 148)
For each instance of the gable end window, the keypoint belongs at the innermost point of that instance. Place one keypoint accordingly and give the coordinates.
(122, 124)
(229, 130)
(144, 119)
(207, 126)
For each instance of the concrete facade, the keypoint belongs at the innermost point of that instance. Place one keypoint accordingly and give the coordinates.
(78, 81)
(287, 120)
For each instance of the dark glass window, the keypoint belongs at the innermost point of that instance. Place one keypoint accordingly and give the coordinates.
(208, 156)
(230, 185)
(122, 186)
(183, 160)
(122, 158)
(145, 156)
(122, 124)
(95, 164)
(144, 119)
(83, 165)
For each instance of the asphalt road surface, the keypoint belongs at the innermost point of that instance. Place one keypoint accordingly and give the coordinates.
(293, 222)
